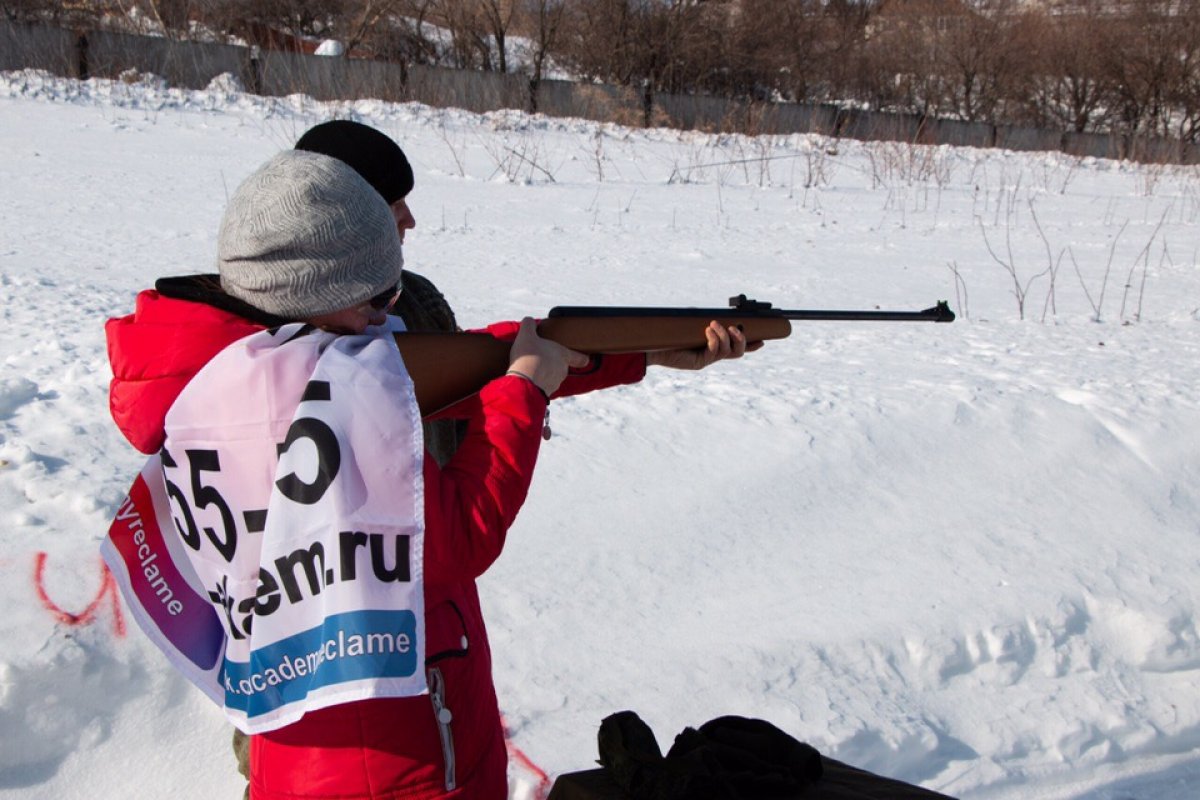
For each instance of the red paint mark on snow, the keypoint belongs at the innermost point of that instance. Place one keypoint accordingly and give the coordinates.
(518, 755)
(108, 587)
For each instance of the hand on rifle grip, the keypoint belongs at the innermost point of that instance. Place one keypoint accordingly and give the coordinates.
(544, 362)
(722, 343)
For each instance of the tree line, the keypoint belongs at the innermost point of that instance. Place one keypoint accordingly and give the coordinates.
(1130, 67)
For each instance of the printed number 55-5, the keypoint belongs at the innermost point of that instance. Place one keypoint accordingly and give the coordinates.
(204, 496)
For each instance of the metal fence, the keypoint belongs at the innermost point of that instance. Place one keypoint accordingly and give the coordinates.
(193, 65)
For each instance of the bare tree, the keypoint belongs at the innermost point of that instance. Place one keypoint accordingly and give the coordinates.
(846, 38)
(172, 16)
(1140, 63)
(470, 46)
(48, 11)
(277, 24)
(361, 19)
(1065, 87)
(498, 15)
(781, 47)
(1082, 65)
(902, 65)
(1186, 95)
(977, 54)
(401, 36)
(544, 21)
(598, 41)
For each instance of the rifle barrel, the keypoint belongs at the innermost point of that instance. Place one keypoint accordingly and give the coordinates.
(939, 313)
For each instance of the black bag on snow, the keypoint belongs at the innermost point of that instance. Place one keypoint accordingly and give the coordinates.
(728, 758)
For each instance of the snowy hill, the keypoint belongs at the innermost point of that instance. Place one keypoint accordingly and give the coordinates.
(963, 555)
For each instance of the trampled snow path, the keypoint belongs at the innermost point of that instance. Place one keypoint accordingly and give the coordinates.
(964, 555)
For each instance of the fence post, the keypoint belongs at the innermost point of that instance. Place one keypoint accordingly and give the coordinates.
(254, 71)
(840, 119)
(922, 134)
(81, 55)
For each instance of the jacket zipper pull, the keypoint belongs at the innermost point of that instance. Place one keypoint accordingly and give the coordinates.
(443, 716)
(546, 433)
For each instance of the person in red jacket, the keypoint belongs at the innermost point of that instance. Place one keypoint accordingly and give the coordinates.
(447, 743)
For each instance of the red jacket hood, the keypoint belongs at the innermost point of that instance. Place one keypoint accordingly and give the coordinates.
(155, 351)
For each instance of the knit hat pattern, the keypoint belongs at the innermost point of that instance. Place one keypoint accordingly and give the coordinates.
(305, 235)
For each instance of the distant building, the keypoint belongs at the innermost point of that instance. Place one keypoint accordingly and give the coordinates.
(922, 15)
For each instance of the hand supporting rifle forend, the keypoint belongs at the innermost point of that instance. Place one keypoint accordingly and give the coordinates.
(448, 367)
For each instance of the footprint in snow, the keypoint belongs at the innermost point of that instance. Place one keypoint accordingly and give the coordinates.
(14, 393)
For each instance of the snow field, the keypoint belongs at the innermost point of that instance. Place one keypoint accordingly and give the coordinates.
(963, 555)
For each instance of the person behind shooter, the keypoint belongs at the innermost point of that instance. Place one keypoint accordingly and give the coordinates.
(421, 305)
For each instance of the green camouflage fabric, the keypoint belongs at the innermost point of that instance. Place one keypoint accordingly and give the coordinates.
(241, 751)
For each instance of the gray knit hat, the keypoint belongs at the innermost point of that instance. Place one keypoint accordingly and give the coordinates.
(306, 235)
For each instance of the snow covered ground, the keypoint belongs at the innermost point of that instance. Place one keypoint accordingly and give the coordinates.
(962, 555)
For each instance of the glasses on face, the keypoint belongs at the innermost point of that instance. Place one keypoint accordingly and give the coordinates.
(385, 299)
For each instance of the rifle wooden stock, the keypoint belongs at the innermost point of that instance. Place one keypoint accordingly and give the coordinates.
(627, 333)
(447, 367)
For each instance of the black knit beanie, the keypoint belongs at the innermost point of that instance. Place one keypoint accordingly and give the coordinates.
(369, 152)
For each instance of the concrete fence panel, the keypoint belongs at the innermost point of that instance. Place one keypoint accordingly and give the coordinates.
(1156, 150)
(961, 134)
(723, 115)
(474, 91)
(805, 118)
(39, 47)
(1012, 137)
(761, 118)
(554, 98)
(200, 62)
(191, 65)
(619, 104)
(327, 78)
(110, 54)
(194, 65)
(714, 114)
(870, 126)
(1097, 145)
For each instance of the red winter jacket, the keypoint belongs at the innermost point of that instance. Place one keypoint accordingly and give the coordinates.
(448, 744)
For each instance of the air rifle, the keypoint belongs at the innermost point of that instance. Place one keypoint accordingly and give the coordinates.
(447, 367)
